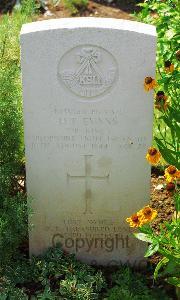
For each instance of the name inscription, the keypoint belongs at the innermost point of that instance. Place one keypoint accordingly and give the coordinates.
(86, 129)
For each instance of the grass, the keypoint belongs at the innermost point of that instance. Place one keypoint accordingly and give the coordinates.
(13, 209)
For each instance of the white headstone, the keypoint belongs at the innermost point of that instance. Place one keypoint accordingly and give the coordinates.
(88, 124)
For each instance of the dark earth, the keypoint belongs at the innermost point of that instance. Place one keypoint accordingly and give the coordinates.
(98, 8)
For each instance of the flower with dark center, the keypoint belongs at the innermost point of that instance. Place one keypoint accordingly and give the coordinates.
(149, 83)
(169, 67)
(147, 214)
(161, 101)
(153, 156)
(160, 95)
(134, 221)
(167, 64)
(148, 80)
(171, 173)
(171, 170)
(143, 216)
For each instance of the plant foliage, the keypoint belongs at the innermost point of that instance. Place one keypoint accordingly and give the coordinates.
(165, 16)
(76, 6)
(13, 210)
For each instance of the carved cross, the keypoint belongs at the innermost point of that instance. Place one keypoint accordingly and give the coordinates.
(88, 178)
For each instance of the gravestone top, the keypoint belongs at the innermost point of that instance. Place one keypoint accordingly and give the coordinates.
(83, 22)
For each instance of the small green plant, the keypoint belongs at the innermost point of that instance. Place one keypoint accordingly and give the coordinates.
(166, 242)
(165, 16)
(58, 275)
(9, 291)
(54, 275)
(130, 285)
(76, 6)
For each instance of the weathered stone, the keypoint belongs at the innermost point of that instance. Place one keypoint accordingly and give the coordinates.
(88, 124)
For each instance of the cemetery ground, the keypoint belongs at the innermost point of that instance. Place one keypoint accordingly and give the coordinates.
(94, 8)
(56, 274)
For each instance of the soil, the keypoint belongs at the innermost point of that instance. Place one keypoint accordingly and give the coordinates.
(161, 200)
(95, 9)
(128, 6)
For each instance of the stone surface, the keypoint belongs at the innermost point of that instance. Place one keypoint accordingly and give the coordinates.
(88, 124)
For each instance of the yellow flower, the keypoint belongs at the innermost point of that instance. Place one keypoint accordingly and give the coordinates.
(147, 214)
(149, 83)
(161, 101)
(153, 156)
(171, 174)
(169, 67)
(134, 221)
(143, 216)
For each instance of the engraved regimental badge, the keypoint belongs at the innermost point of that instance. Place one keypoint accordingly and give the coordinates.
(87, 71)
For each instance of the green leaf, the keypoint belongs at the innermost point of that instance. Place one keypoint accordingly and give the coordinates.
(171, 268)
(146, 229)
(160, 264)
(144, 237)
(153, 248)
(141, 4)
(170, 33)
(175, 113)
(177, 201)
(169, 158)
(174, 281)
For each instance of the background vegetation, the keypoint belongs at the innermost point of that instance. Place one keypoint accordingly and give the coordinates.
(165, 16)
(76, 5)
(13, 210)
